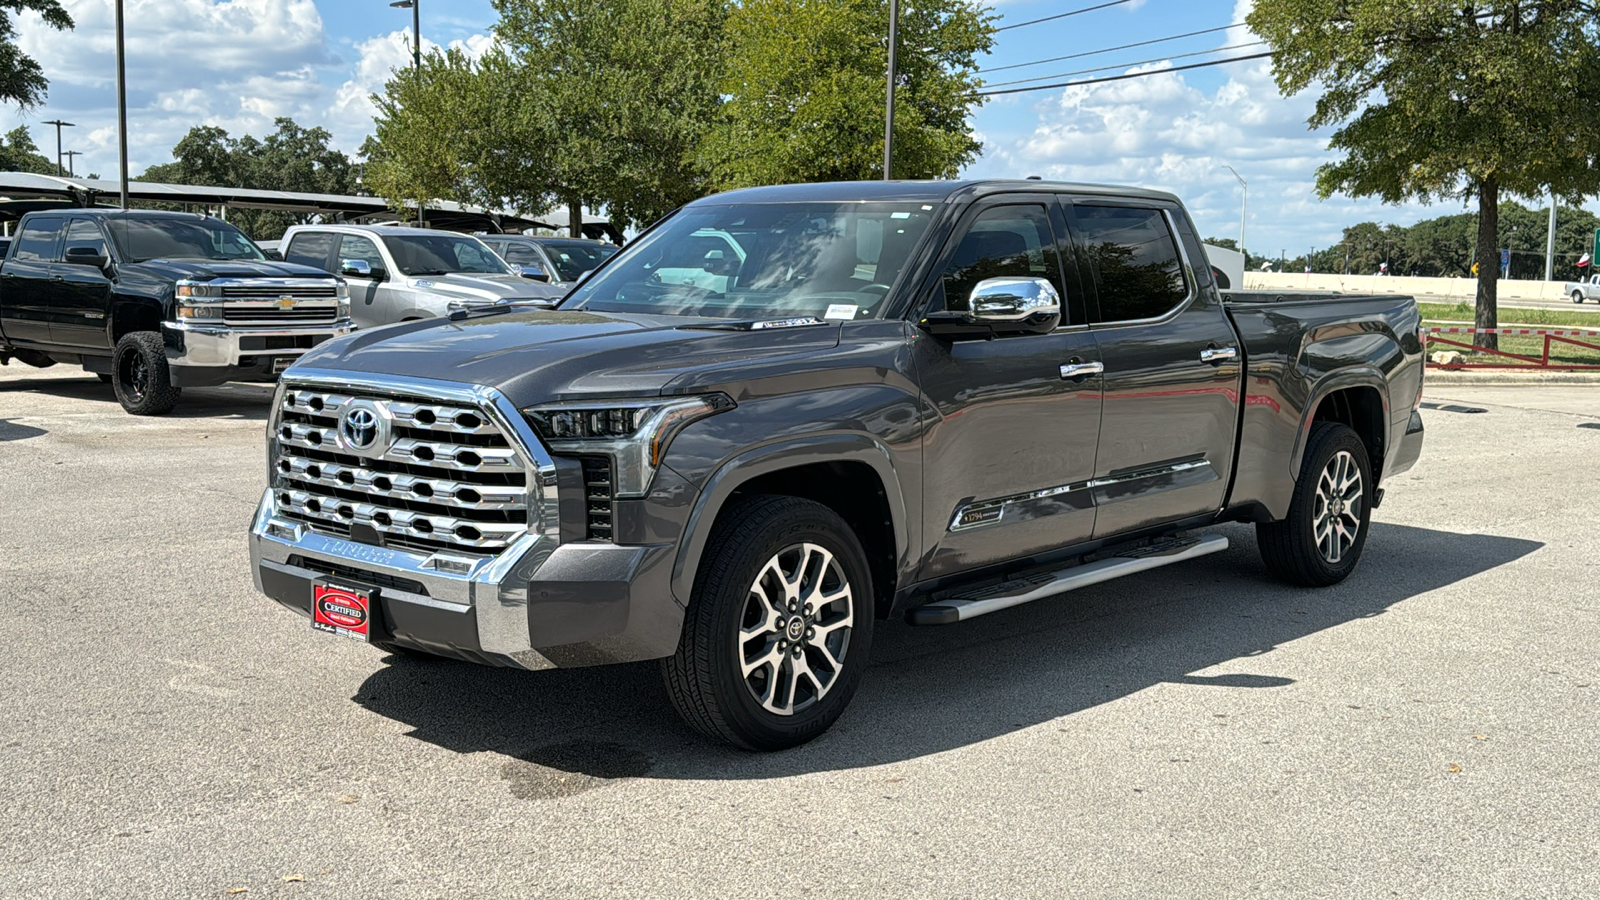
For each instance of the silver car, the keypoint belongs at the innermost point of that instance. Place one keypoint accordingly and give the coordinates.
(397, 274)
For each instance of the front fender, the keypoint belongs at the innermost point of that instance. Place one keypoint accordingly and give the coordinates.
(766, 459)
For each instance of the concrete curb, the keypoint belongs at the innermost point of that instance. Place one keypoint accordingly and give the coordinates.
(1485, 376)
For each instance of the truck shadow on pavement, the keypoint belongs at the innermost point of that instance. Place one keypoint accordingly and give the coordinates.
(236, 401)
(934, 689)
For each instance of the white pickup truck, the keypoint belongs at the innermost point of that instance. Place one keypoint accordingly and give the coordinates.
(1580, 291)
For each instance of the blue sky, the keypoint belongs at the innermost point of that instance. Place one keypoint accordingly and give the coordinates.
(239, 63)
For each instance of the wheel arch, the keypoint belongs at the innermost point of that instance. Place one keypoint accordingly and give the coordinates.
(1358, 399)
(850, 474)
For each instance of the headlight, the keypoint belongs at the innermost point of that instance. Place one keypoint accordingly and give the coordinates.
(191, 289)
(635, 434)
(209, 311)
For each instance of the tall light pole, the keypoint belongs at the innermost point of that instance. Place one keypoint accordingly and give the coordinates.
(1244, 199)
(888, 104)
(1550, 242)
(122, 110)
(71, 173)
(59, 125)
(416, 30)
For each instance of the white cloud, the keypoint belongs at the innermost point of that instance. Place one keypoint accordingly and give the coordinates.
(235, 64)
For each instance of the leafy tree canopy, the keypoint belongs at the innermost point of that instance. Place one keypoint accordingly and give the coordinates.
(805, 90)
(18, 153)
(1441, 98)
(22, 81)
(292, 158)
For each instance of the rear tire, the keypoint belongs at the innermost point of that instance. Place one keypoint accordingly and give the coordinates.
(779, 628)
(1577, 296)
(140, 375)
(1320, 542)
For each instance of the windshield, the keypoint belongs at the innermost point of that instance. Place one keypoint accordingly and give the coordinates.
(573, 258)
(139, 240)
(443, 254)
(767, 260)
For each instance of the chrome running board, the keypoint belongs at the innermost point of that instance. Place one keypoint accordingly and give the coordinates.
(1017, 591)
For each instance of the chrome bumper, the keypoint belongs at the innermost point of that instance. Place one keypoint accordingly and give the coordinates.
(220, 346)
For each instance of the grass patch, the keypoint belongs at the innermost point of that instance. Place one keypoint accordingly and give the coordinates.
(1437, 313)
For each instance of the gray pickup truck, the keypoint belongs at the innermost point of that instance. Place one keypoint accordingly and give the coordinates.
(1580, 291)
(933, 400)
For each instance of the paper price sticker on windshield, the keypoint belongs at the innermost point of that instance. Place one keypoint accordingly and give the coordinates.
(845, 311)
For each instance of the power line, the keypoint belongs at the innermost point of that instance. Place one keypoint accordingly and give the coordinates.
(1063, 84)
(1176, 37)
(1064, 15)
(1142, 62)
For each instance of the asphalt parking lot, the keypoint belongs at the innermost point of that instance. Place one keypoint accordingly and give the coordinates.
(1426, 729)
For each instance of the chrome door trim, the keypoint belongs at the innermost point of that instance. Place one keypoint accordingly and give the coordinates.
(980, 513)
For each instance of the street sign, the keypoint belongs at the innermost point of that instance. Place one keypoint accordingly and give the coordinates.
(1505, 263)
(1596, 254)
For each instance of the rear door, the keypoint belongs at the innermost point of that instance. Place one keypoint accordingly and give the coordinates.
(312, 248)
(1009, 461)
(1172, 365)
(82, 301)
(26, 280)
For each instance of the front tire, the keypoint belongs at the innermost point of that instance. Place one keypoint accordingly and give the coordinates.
(779, 628)
(1320, 542)
(140, 375)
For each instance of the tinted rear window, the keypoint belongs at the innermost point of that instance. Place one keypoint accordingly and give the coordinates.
(310, 249)
(37, 241)
(1135, 261)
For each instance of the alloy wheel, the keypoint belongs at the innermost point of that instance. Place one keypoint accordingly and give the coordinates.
(1336, 516)
(794, 631)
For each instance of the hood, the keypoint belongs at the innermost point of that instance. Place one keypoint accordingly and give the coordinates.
(482, 287)
(207, 269)
(545, 355)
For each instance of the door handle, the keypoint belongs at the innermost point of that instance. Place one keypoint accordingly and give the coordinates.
(1081, 369)
(1218, 354)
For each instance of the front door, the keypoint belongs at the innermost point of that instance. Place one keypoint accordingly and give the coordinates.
(1010, 456)
(1172, 366)
(365, 308)
(82, 294)
(26, 281)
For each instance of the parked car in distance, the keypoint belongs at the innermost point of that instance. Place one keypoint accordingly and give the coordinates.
(559, 262)
(154, 302)
(928, 399)
(1580, 291)
(397, 274)
(1227, 267)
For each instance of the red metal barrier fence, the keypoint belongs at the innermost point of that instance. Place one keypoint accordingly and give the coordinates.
(1549, 335)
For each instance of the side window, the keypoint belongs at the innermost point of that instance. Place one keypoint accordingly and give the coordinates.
(1135, 261)
(38, 240)
(1002, 242)
(84, 233)
(310, 248)
(356, 247)
(520, 254)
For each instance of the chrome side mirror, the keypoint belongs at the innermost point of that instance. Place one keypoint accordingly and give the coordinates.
(359, 268)
(1012, 301)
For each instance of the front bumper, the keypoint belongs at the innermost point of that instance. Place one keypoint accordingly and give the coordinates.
(535, 606)
(202, 354)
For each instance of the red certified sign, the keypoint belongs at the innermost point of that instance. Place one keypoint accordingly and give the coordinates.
(340, 610)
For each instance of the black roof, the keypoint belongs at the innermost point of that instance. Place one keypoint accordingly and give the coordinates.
(914, 191)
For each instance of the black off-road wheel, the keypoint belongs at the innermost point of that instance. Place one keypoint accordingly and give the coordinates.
(779, 629)
(1320, 542)
(141, 377)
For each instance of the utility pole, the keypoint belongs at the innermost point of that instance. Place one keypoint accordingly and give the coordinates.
(888, 104)
(416, 71)
(59, 125)
(69, 155)
(1550, 242)
(122, 108)
(1244, 200)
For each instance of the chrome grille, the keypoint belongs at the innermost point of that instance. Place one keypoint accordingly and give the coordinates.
(273, 314)
(275, 291)
(448, 480)
(597, 498)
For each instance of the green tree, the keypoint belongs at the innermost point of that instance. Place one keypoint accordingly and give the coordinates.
(18, 153)
(805, 91)
(1444, 98)
(431, 129)
(22, 80)
(291, 158)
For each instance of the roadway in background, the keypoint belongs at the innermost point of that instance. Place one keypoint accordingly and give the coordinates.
(1425, 729)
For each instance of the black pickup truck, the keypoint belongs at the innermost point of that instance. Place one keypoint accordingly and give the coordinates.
(933, 400)
(156, 301)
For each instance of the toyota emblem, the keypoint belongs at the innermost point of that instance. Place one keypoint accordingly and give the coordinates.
(360, 428)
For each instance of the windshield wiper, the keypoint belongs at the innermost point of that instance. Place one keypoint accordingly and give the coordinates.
(425, 272)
